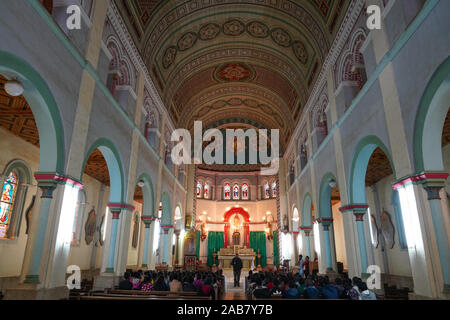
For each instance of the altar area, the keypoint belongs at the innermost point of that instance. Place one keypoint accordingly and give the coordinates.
(247, 256)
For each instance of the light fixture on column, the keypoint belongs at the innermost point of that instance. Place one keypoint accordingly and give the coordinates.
(13, 88)
(332, 184)
(141, 183)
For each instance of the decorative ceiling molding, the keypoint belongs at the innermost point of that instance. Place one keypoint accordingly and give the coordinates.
(128, 43)
(347, 25)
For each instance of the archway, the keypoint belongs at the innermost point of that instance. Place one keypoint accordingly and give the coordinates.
(332, 224)
(306, 226)
(431, 154)
(33, 117)
(378, 219)
(104, 164)
(244, 214)
(44, 110)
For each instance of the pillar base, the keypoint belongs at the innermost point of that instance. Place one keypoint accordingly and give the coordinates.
(32, 279)
(109, 270)
(446, 288)
(31, 292)
(105, 281)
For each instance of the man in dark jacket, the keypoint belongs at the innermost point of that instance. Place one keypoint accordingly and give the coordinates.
(125, 284)
(237, 267)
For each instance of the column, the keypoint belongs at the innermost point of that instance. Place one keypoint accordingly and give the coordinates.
(326, 223)
(307, 231)
(359, 210)
(175, 259)
(434, 200)
(40, 233)
(148, 223)
(165, 245)
(115, 212)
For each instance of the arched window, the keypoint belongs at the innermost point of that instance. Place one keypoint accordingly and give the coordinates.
(227, 192)
(274, 189)
(235, 192)
(8, 199)
(199, 190)
(266, 191)
(206, 191)
(245, 191)
(79, 217)
(160, 210)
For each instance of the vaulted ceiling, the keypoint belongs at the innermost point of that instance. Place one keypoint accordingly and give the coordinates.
(254, 60)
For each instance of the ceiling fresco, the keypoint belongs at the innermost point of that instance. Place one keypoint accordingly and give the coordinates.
(254, 59)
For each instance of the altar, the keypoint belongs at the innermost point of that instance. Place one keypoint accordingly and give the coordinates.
(247, 256)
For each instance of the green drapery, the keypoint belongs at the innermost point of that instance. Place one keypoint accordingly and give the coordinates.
(276, 258)
(215, 241)
(197, 244)
(258, 241)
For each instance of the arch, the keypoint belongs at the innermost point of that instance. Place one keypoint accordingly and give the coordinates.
(238, 210)
(44, 108)
(115, 168)
(361, 156)
(325, 196)
(147, 191)
(430, 121)
(305, 215)
(166, 219)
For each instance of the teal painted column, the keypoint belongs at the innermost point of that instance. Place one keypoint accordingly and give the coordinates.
(362, 240)
(441, 235)
(147, 223)
(165, 245)
(326, 234)
(307, 231)
(40, 233)
(359, 210)
(113, 240)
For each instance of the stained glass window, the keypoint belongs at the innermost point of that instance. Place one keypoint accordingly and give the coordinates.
(235, 192)
(245, 191)
(266, 191)
(199, 190)
(274, 189)
(7, 202)
(206, 191)
(227, 192)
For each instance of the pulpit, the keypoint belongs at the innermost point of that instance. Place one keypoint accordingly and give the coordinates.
(247, 256)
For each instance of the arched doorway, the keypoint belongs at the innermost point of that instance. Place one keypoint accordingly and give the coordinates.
(103, 163)
(30, 115)
(331, 221)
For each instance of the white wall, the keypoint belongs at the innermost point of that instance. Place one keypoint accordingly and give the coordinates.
(398, 259)
(12, 148)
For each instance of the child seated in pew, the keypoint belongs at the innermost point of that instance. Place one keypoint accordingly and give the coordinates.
(126, 284)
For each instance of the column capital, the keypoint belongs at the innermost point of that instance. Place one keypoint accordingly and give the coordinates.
(53, 178)
(433, 192)
(354, 208)
(47, 191)
(148, 220)
(433, 179)
(120, 207)
(306, 230)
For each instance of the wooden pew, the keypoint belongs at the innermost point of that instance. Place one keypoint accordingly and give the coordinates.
(140, 292)
(126, 297)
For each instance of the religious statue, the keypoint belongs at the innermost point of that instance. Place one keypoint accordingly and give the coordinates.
(89, 227)
(135, 239)
(236, 224)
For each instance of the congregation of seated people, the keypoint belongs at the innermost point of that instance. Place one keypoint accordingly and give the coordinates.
(202, 282)
(295, 286)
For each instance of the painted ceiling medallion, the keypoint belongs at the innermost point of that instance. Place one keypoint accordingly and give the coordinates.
(235, 71)
(233, 28)
(281, 37)
(300, 51)
(187, 41)
(169, 56)
(257, 29)
(209, 31)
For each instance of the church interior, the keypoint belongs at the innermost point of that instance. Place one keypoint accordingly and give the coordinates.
(92, 93)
